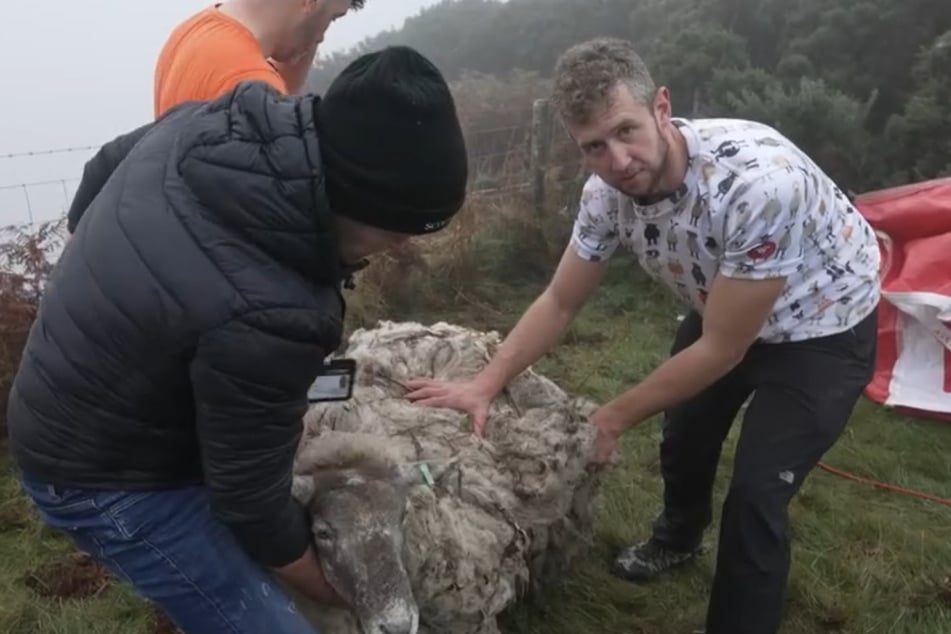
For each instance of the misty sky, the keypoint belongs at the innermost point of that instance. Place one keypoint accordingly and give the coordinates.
(79, 72)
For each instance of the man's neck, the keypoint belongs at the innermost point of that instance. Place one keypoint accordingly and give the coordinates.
(677, 161)
(246, 12)
(676, 170)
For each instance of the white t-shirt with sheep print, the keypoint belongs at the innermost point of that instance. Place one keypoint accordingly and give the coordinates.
(752, 206)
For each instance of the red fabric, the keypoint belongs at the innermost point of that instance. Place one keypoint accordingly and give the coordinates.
(914, 227)
(947, 370)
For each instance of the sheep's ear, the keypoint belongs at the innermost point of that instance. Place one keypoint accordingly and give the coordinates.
(302, 488)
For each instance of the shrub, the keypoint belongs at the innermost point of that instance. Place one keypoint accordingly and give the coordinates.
(26, 260)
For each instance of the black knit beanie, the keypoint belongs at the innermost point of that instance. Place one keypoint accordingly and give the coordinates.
(392, 146)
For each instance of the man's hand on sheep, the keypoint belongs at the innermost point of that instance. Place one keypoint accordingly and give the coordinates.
(471, 397)
(307, 576)
(536, 332)
(610, 427)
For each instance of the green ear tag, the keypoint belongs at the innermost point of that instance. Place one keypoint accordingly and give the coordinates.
(427, 476)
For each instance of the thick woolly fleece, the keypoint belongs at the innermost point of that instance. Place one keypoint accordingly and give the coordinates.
(503, 513)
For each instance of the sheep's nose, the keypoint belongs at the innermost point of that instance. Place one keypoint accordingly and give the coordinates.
(401, 626)
(399, 617)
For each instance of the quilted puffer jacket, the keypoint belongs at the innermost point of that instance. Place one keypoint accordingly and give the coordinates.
(191, 309)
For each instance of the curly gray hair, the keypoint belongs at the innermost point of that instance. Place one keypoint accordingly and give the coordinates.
(587, 72)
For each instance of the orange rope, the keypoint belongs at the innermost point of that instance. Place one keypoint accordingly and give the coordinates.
(883, 485)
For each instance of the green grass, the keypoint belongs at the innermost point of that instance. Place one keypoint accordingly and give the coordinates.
(864, 560)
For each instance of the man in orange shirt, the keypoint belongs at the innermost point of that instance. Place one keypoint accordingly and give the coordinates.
(238, 40)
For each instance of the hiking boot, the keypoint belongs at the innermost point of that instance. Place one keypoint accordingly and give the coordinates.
(644, 561)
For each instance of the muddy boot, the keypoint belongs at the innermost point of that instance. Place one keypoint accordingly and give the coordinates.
(644, 561)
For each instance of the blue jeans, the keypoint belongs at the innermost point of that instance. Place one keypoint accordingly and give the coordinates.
(171, 549)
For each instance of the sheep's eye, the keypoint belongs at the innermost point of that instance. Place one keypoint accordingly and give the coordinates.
(323, 533)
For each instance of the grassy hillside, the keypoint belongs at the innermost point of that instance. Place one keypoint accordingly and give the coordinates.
(865, 560)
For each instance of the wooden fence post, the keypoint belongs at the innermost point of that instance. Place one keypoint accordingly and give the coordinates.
(539, 154)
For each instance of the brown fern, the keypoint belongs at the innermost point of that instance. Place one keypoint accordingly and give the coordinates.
(27, 256)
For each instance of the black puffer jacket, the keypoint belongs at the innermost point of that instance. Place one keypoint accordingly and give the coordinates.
(188, 315)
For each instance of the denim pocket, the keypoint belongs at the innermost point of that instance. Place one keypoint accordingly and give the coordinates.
(115, 511)
(126, 511)
(60, 501)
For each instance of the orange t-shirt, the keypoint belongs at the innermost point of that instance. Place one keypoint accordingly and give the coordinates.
(207, 55)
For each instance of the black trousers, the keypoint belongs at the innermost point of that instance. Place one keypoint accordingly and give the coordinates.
(804, 393)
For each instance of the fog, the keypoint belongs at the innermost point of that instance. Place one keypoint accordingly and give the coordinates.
(76, 74)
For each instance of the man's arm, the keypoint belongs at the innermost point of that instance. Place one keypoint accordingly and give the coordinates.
(545, 320)
(295, 72)
(250, 387)
(735, 313)
(751, 279)
(594, 238)
(583, 264)
(534, 334)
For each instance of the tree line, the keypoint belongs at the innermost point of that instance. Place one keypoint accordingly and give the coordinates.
(863, 85)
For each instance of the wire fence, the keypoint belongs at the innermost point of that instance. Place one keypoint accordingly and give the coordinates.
(502, 161)
(62, 150)
(37, 201)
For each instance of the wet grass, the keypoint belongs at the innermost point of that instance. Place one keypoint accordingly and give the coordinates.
(864, 560)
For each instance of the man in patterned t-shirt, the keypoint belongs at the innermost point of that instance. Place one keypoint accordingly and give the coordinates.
(780, 275)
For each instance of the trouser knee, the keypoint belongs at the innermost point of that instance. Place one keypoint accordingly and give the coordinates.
(755, 527)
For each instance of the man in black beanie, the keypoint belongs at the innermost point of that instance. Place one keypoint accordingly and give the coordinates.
(157, 407)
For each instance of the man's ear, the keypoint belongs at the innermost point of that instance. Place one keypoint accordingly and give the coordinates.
(302, 488)
(663, 109)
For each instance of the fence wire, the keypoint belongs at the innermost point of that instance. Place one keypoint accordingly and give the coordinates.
(500, 162)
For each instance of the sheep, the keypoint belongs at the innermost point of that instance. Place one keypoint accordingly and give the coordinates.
(423, 527)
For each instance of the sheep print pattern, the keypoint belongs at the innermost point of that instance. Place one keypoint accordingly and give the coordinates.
(752, 206)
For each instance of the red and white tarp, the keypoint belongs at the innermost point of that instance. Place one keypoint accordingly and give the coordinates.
(913, 365)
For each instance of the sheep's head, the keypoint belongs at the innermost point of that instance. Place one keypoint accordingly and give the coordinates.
(356, 495)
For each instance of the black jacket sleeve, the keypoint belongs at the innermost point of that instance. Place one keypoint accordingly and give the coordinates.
(250, 381)
(98, 170)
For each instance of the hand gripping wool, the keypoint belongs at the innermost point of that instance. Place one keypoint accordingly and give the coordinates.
(483, 521)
